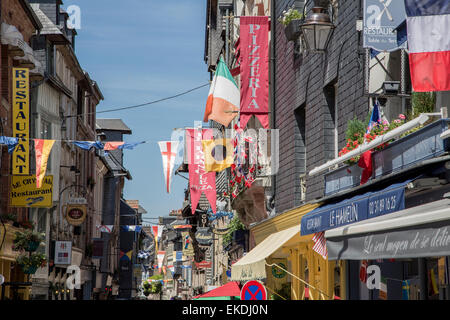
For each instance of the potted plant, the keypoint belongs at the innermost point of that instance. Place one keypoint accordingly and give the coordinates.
(291, 19)
(29, 263)
(10, 218)
(27, 240)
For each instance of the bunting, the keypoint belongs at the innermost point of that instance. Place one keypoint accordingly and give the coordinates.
(160, 257)
(42, 148)
(132, 228)
(169, 154)
(105, 228)
(125, 255)
(10, 142)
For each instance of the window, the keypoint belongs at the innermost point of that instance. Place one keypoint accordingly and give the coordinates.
(331, 131)
(300, 150)
(50, 59)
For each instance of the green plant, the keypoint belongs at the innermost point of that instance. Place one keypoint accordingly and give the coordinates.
(289, 15)
(30, 263)
(24, 239)
(10, 217)
(156, 286)
(355, 137)
(284, 291)
(423, 102)
(235, 224)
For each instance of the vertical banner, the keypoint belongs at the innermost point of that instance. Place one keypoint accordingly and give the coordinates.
(20, 118)
(254, 53)
(200, 181)
(169, 154)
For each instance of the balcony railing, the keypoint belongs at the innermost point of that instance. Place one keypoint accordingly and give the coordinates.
(401, 154)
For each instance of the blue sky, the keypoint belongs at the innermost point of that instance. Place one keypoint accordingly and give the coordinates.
(139, 51)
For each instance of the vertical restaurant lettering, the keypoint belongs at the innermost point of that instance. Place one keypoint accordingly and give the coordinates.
(254, 69)
(20, 118)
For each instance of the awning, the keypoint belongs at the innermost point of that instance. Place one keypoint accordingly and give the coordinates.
(253, 265)
(357, 208)
(421, 231)
(230, 289)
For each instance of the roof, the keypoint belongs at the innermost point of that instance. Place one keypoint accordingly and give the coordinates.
(115, 166)
(112, 124)
(48, 27)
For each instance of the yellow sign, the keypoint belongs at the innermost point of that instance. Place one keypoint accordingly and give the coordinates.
(21, 122)
(25, 194)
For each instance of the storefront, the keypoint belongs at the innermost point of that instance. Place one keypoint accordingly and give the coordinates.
(16, 285)
(285, 262)
(410, 248)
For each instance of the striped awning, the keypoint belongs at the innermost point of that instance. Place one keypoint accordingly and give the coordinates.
(253, 265)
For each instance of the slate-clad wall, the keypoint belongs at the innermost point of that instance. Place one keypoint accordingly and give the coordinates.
(301, 83)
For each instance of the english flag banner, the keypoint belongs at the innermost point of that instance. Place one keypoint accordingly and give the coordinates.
(429, 44)
(200, 181)
(169, 154)
(254, 68)
(42, 148)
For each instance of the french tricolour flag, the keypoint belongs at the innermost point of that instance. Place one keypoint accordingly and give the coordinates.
(428, 25)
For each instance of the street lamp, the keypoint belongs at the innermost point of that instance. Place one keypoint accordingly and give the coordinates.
(317, 30)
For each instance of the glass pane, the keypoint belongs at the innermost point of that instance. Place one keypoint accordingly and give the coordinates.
(308, 32)
(322, 37)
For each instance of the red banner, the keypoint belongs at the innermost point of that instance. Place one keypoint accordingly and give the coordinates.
(203, 264)
(200, 180)
(254, 57)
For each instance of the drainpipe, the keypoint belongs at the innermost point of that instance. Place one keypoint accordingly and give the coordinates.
(272, 75)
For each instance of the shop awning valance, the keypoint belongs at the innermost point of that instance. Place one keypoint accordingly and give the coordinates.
(357, 208)
(253, 265)
(421, 231)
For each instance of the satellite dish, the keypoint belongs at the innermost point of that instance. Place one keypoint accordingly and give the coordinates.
(2, 279)
(147, 244)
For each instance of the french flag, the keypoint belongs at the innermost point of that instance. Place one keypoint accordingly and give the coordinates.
(428, 30)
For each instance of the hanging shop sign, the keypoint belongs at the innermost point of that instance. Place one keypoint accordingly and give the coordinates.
(204, 236)
(254, 44)
(277, 272)
(203, 264)
(63, 252)
(21, 120)
(98, 246)
(380, 19)
(188, 249)
(76, 211)
(25, 194)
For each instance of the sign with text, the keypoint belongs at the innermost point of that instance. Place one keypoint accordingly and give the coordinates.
(204, 236)
(63, 252)
(254, 48)
(25, 194)
(380, 19)
(21, 120)
(432, 241)
(369, 205)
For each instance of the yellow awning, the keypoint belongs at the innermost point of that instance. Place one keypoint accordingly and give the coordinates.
(253, 265)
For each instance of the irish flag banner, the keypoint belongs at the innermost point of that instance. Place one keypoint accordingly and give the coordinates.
(43, 148)
(223, 101)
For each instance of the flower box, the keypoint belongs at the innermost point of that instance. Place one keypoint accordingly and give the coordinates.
(410, 150)
(343, 178)
(292, 30)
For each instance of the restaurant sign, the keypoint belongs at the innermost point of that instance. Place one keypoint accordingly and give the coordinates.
(358, 208)
(204, 236)
(21, 120)
(25, 194)
(380, 19)
(76, 211)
